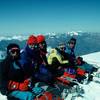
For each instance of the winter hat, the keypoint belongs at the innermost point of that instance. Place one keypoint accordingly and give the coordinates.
(62, 45)
(12, 45)
(40, 38)
(32, 40)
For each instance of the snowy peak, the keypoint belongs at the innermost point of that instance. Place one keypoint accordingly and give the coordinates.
(15, 37)
(74, 33)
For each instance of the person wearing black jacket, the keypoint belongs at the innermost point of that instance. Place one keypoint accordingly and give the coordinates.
(44, 70)
(42, 49)
(11, 71)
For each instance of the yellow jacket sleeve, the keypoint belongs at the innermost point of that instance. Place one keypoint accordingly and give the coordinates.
(54, 54)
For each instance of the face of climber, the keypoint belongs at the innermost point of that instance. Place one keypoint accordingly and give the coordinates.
(14, 52)
(62, 47)
(33, 46)
(71, 44)
(42, 45)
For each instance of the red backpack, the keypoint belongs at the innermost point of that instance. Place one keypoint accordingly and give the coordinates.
(66, 78)
(80, 72)
(48, 96)
(22, 86)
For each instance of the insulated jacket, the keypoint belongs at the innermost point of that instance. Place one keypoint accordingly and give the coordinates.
(9, 70)
(30, 60)
(55, 54)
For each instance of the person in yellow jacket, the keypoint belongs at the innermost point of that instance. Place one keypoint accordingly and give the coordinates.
(54, 54)
(57, 59)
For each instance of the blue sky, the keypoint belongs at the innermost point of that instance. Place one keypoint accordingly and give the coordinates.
(29, 16)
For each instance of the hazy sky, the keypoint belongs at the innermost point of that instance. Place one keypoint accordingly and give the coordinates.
(22, 16)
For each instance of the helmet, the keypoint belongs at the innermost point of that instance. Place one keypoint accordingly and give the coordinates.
(40, 38)
(32, 40)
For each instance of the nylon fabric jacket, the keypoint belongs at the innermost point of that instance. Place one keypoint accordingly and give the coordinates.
(54, 54)
(9, 70)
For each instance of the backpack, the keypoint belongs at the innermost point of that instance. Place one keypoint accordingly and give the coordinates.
(47, 96)
(68, 76)
(22, 86)
(41, 94)
(81, 72)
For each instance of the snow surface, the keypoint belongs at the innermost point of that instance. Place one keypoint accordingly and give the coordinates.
(92, 58)
(2, 97)
(92, 92)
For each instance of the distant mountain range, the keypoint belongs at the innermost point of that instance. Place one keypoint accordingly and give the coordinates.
(86, 42)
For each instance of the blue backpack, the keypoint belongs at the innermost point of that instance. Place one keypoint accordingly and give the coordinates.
(38, 91)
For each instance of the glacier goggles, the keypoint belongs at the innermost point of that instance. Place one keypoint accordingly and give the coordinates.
(62, 47)
(14, 50)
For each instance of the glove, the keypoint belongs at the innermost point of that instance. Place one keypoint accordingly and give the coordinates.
(4, 92)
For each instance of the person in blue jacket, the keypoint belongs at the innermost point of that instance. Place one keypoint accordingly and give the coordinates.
(30, 55)
(70, 50)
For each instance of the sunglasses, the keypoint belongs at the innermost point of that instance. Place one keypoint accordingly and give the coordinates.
(13, 50)
(62, 47)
